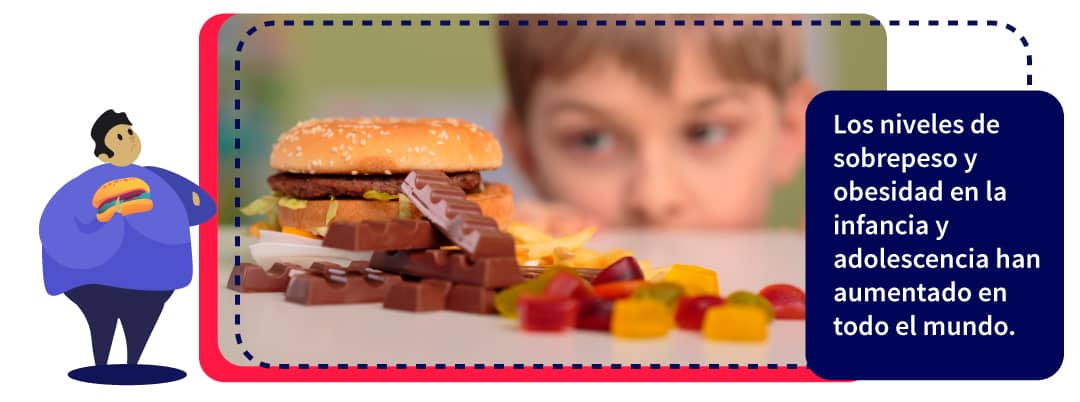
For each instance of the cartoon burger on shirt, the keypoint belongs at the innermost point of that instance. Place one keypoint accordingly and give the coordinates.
(130, 195)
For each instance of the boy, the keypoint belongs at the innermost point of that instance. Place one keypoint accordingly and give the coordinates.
(663, 126)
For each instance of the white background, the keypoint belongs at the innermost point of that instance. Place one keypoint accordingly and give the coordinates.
(63, 64)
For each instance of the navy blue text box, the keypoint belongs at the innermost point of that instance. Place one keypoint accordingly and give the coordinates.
(1026, 157)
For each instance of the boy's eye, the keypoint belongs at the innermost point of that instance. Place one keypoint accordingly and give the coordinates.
(595, 141)
(707, 134)
(130, 132)
(119, 137)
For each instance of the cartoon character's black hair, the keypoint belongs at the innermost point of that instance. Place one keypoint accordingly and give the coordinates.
(104, 123)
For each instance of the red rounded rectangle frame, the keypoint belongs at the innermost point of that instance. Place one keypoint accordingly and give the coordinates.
(216, 366)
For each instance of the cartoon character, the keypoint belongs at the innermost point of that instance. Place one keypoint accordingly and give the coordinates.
(115, 240)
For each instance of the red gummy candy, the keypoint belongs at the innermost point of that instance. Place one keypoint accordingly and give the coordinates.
(595, 314)
(793, 311)
(782, 293)
(567, 284)
(691, 311)
(546, 313)
(789, 302)
(617, 290)
(624, 269)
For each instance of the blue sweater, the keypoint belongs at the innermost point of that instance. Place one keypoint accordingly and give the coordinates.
(143, 251)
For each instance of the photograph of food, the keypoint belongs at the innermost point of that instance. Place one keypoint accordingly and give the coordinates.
(352, 170)
(543, 193)
(358, 165)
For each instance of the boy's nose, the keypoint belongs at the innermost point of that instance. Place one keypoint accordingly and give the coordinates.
(657, 214)
(655, 198)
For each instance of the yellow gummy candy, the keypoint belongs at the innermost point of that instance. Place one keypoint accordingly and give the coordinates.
(640, 318)
(735, 323)
(697, 281)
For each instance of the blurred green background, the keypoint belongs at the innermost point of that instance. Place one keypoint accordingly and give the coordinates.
(292, 73)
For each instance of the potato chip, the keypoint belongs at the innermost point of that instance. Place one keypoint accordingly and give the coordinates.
(534, 247)
(527, 234)
(547, 248)
(563, 256)
(609, 257)
(586, 258)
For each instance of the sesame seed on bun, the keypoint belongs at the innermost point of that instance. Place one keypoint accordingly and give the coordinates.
(385, 146)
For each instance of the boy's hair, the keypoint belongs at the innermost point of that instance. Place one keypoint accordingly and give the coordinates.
(104, 123)
(765, 54)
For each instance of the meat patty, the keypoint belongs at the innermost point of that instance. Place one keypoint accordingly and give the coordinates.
(309, 186)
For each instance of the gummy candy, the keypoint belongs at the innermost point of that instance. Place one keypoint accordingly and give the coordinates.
(791, 311)
(506, 300)
(595, 314)
(547, 313)
(617, 290)
(735, 323)
(695, 280)
(623, 269)
(691, 311)
(567, 283)
(788, 301)
(664, 292)
(640, 318)
(745, 298)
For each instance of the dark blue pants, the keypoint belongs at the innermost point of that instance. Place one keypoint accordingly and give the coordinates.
(137, 310)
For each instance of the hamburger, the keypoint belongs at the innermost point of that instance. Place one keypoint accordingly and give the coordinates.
(352, 169)
(130, 195)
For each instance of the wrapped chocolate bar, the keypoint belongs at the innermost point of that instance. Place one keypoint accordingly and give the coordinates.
(445, 205)
(451, 265)
(396, 234)
(426, 295)
(329, 283)
(247, 277)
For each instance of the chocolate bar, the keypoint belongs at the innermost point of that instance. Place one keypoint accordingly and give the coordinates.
(428, 294)
(329, 283)
(471, 299)
(337, 272)
(451, 265)
(247, 277)
(397, 234)
(461, 220)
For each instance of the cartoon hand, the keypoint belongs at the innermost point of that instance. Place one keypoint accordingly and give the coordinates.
(195, 198)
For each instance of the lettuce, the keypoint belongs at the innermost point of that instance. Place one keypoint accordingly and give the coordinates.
(261, 206)
(264, 206)
(331, 212)
(404, 208)
(292, 203)
(380, 196)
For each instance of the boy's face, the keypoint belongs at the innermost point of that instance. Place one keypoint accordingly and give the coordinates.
(704, 152)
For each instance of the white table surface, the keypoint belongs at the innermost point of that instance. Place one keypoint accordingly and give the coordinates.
(276, 331)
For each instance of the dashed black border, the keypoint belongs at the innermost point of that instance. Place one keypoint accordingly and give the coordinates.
(598, 22)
